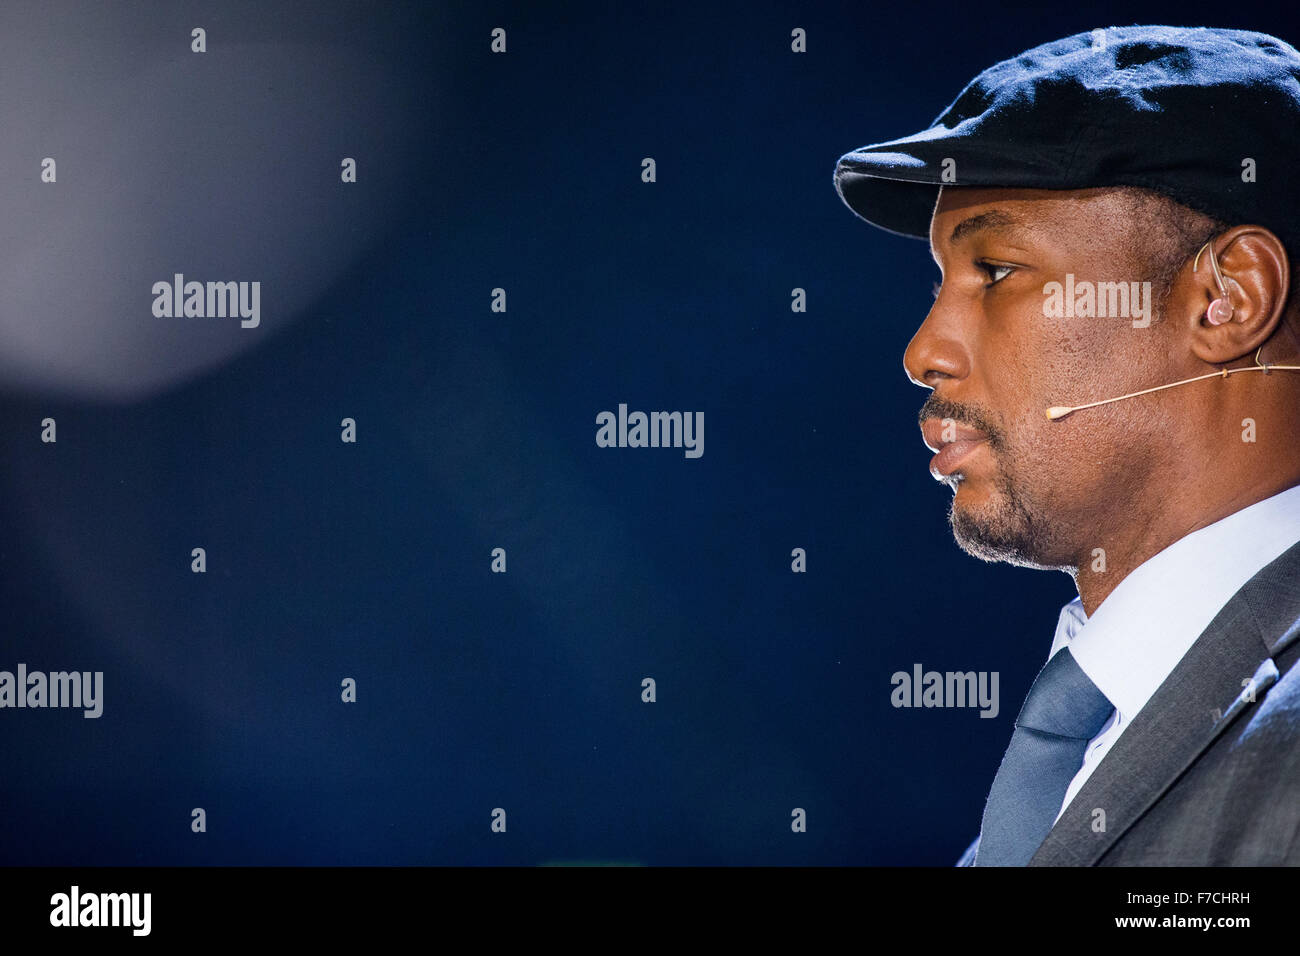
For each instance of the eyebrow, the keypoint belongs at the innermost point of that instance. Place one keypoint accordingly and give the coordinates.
(985, 220)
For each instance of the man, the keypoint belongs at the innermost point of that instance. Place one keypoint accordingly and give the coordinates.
(1112, 213)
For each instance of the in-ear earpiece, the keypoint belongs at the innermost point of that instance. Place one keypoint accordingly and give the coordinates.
(1220, 309)
(1219, 312)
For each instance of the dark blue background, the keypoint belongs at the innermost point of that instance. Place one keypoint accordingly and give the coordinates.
(477, 430)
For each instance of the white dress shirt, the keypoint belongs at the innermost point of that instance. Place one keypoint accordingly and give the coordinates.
(1140, 632)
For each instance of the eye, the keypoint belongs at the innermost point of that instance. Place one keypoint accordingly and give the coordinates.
(994, 270)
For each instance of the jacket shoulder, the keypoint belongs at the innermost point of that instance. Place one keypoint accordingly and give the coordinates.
(1238, 803)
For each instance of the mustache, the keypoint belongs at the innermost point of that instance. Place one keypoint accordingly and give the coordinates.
(969, 415)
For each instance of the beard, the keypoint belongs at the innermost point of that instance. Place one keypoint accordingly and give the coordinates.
(1011, 525)
(1005, 529)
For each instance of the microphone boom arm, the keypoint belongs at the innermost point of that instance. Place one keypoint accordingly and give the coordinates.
(1057, 412)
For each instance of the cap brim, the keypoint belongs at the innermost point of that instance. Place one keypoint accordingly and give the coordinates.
(895, 185)
(878, 193)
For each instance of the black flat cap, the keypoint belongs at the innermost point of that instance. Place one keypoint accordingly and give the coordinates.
(1208, 117)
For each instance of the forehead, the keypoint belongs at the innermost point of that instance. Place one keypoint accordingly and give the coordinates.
(1086, 214)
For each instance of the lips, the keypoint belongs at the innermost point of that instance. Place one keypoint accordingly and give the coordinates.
(953, 444)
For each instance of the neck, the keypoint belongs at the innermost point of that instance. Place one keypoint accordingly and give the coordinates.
(1143, 536)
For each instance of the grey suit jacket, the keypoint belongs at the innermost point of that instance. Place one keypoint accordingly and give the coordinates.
(1208, 772)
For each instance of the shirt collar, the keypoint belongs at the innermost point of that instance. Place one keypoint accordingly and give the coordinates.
(1140, 632)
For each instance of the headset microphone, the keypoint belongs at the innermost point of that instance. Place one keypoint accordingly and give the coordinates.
(1219, 311)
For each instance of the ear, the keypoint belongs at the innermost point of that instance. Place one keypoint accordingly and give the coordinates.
(1255, 269)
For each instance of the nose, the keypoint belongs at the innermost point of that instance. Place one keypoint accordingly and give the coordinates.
(937, 352)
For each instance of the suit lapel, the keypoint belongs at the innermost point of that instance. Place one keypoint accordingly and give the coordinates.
(1184, 716)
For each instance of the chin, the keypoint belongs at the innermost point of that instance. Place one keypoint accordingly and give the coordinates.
(996, 527)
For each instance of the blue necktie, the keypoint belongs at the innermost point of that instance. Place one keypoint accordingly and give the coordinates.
(1064, 710)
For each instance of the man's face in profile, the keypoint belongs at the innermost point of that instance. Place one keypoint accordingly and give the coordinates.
(1025, 489)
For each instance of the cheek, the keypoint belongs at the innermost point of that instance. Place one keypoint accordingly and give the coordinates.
(1068, 451)
(1027, 372)
(1092, 456)
(1075, 361)
(1036, 362)
(1032, 362)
